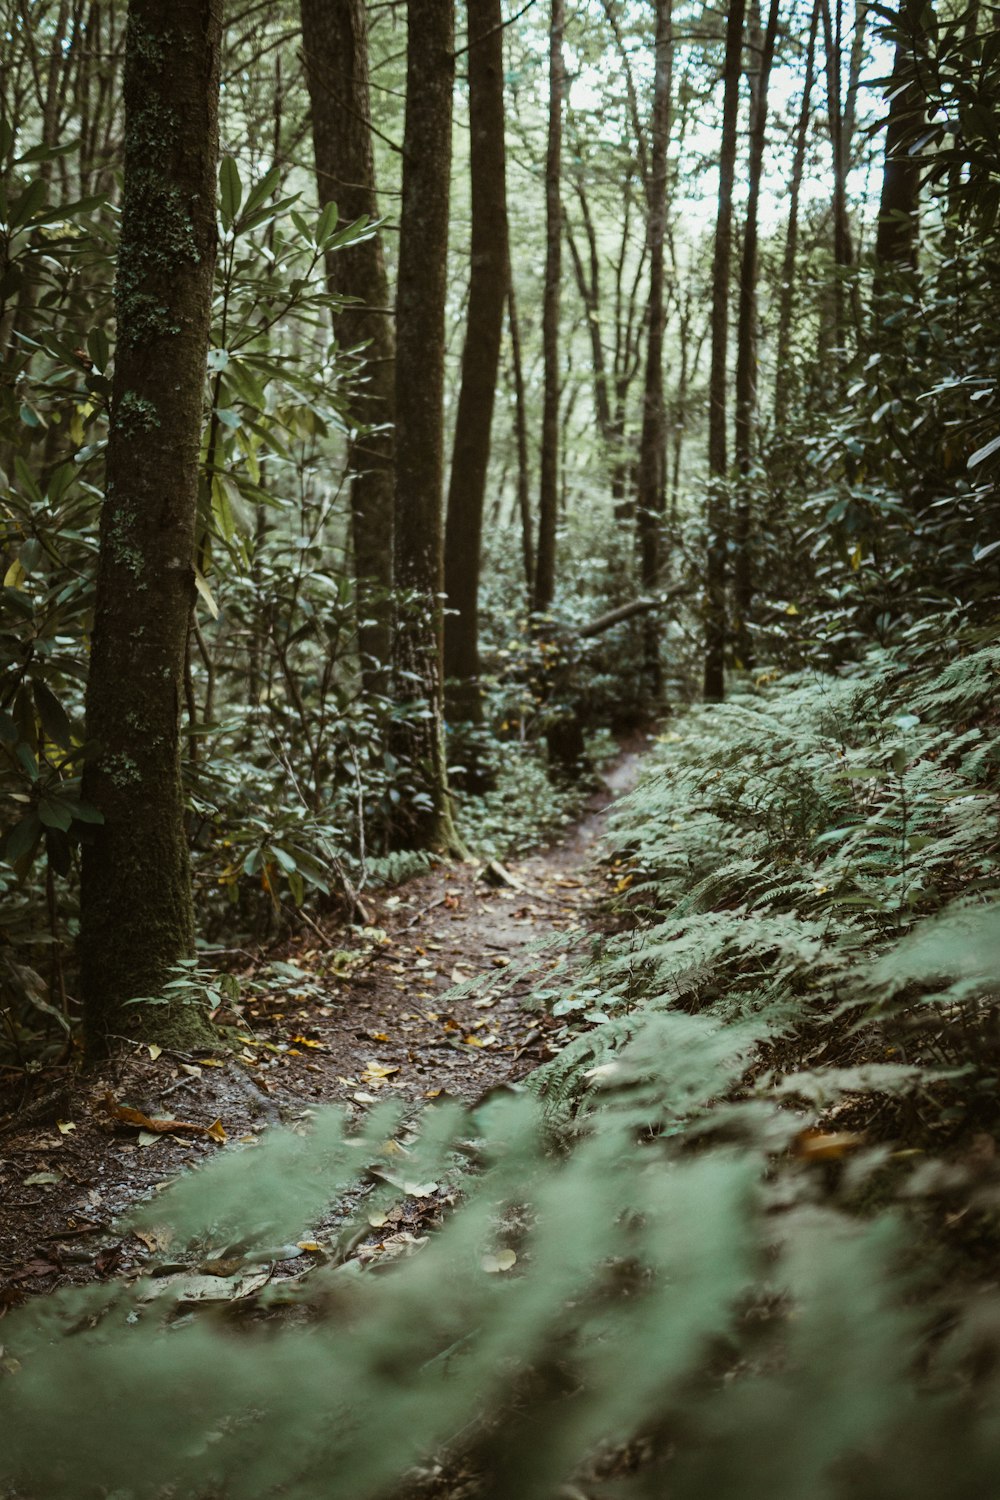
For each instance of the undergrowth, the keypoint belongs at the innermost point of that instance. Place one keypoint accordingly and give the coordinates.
(737, 1239)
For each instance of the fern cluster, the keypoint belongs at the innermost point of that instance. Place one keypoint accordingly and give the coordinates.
(669, 1271)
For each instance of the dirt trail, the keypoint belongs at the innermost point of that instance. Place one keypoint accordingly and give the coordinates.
(379, 1016)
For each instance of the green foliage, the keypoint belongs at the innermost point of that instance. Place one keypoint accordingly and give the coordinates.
(646, 1284)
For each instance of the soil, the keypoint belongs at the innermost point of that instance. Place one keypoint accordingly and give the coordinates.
(381, 1009)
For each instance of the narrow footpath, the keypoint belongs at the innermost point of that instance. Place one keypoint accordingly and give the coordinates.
(362, 1013)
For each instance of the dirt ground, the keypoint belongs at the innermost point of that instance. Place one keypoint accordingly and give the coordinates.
(377, 1011)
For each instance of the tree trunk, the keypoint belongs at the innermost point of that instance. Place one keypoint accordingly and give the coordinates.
(480, 359)
(715, 581)
(899, 209)
(786, 301)
(136, 910)
(420, 348)
(521, 427)
(651, 496)
(746, 349)
(548, 497)
(335, 46)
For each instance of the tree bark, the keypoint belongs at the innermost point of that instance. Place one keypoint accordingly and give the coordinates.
(746, 349)
(521, 429)
(480, 359)
(335, 47)
(786, 301)
(420, 348)
(548, 497)
(899, 209)
(651, 495)
(715, 581)
(136, 910)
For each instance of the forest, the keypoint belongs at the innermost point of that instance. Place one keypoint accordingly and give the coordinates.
(499, 754)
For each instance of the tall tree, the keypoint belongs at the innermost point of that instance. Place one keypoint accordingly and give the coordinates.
(786, 298)
(335, 47)
(899, 208)
(548, 497)
(136, 911)
(480, 358)
(651, 496)
(715, 587)
(420, 345)
(746, 341)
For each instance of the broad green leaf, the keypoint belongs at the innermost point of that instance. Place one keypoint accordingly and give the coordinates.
(230, 191)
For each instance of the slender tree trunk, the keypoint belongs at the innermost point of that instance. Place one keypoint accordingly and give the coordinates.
(746, 350)
(651, 496)
(521, 426)
(335, 46)
(715, 582)
(786, 301)
(899, 209)
(420, 348)
(548, 497)
(136, 910)
(587, 278)
(841, 129)
(480, 359)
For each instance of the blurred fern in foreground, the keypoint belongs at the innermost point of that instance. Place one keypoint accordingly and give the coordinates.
(710, 1252)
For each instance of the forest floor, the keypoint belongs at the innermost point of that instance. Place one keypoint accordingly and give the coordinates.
(383, 1010)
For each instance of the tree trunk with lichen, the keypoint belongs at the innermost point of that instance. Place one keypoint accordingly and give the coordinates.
(335, 48)
(548, 496)
(718, 500)
(418, 739)
(137, 918)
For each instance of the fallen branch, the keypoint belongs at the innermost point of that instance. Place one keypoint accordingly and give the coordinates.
(629, 612)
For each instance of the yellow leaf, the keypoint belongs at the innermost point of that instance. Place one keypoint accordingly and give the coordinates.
(474, 1041)
(377, 1220)
(856, 558)
(14, 576)
(216, 1131)
(153, 1050)
(310, 1246)
(376, 1070)
(65, 1126)
(791, 609)
(502, 1261)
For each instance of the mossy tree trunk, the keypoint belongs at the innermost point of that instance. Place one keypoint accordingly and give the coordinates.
(420, 346)
(335, 47)
(651, 489)
(480, 360)
(136, 909)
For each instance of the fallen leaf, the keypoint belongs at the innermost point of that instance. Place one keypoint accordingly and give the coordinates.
(147, 1138)
(127, 1116)
(42, 1179)
(216, 1132)
(191, 1069)
(362, 1098)
(191, 1288)
(65, 1126)
(821, 1145)
(502, 1261)
(376, 1220)
(153, 1050)
(304, 1041)
(311, 1247)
